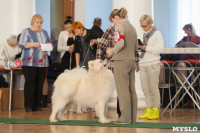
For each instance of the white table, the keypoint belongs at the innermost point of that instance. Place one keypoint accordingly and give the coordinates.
(193, 50)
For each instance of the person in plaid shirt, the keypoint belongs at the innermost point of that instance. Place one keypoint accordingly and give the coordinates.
(107, 42)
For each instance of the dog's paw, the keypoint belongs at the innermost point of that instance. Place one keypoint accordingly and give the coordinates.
(55, 121)
(109, 120)
(63, 120)
(105, 121)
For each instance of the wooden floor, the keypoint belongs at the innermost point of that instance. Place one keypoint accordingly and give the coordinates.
(179, 116)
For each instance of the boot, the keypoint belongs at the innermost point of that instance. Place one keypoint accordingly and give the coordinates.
(147, 114)
(44, 101)
(154, 115)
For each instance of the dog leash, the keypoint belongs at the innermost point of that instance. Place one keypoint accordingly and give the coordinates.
(83, 66)
(70, 62)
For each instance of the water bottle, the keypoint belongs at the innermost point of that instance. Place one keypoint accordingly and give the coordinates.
(12, 63)
(7, 64)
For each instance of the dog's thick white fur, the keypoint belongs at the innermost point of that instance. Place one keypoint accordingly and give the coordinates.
(92, 88)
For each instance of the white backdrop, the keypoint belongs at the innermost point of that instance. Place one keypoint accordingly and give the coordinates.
(15, 16)
(188, 12)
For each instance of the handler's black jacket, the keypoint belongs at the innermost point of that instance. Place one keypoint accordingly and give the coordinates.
(88, 37)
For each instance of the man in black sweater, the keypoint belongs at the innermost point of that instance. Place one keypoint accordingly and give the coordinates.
(97, 32)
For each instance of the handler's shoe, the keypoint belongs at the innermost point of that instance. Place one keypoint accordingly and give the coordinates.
(147, 114)
(154, 115)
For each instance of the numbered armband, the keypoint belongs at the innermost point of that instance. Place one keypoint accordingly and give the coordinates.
(118, 37)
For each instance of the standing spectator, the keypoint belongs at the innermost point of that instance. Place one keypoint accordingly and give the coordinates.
(66, 46)
(82, 49)
(97, 32)
(55, 55)
(104, 43)
(149, 63)
(34, 62)
(124, 66)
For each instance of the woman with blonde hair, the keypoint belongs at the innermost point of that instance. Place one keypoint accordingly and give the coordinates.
(191, 35)
(149, 64)
(34, 62)
(123, 58)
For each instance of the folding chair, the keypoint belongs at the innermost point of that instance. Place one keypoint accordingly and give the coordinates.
(164, 81)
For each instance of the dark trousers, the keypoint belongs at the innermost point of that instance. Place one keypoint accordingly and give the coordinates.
(34, 80)
(118, 108)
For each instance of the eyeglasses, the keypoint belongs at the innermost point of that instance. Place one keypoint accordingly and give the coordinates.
(144, 26)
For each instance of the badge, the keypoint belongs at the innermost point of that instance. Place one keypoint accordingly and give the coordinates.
(118, 37)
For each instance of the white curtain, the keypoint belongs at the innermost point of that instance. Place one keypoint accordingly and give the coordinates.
(188, 12)
(165, 20)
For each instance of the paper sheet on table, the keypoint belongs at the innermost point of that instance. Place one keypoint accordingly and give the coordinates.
(46, 47)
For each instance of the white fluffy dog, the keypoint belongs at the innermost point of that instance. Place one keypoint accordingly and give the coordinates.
(92, 88)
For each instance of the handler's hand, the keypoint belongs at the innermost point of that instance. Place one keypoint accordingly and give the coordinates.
(137, 68)
(142, 47)
(109, 52)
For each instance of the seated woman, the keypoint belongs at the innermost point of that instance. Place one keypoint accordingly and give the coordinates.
(8, 51)
(191, 40)
(191, 35)
(9, 48)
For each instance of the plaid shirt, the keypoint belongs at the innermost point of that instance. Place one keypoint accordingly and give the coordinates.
(106, 42)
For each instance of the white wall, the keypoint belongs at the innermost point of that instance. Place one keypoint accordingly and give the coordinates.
(80, 11)
(98, 8)
(15, 16)
(43, 8)
(188, 12)
(136, 8)
(87, 10)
